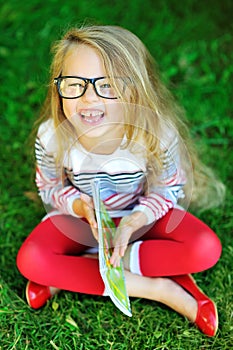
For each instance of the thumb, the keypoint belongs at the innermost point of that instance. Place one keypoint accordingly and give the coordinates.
(86, 199)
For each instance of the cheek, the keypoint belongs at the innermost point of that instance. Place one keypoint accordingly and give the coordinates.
(69, 107)
(115, 111)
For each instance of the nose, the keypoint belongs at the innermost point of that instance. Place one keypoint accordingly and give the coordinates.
(90, 94)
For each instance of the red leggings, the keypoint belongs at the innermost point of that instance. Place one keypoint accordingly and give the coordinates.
(50, 257)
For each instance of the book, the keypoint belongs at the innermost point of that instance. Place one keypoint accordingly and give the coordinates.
(113, 277)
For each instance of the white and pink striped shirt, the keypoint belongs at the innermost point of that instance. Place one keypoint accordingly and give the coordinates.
(122, 177)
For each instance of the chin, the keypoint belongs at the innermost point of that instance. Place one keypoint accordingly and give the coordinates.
(94, 131)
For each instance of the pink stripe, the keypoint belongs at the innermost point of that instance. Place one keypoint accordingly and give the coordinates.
(120, 205)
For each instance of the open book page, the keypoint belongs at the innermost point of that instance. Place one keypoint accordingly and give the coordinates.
(113, 277)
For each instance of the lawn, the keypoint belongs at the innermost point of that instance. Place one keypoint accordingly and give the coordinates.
(192, 43)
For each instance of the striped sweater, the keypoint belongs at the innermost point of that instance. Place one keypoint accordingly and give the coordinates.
(122, 176)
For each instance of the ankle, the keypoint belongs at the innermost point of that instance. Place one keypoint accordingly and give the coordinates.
(178, 299)
(53, 290)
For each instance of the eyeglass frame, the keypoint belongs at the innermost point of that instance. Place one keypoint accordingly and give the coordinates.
(57, 82)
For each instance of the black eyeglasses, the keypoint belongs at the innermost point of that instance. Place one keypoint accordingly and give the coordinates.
(74, 87)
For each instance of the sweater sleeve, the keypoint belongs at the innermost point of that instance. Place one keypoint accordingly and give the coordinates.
(164, 195)
(54, 188)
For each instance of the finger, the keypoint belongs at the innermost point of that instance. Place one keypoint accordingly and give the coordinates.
(122, 243)
(95, 233)
(122, 250)
(89, 214)
(93, 224)
(117, 262)
(87, 199)
(114, 257)
(90, 217)
(117, 255)
(88, 205)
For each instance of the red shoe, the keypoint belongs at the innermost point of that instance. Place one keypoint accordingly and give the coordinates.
(207, 315)
(37, 295)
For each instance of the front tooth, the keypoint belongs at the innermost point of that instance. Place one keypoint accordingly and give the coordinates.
(93, 114)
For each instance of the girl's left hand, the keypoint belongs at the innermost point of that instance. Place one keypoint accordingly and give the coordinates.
(128, 225)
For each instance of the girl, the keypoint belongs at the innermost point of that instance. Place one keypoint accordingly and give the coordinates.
(108, 116)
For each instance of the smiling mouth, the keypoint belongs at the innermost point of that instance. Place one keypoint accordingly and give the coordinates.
(91, 116)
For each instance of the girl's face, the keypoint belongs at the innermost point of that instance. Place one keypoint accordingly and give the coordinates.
(94, 118)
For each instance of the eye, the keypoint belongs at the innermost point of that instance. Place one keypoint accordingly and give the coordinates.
(106, 86)
(76, 84)
(71, 87)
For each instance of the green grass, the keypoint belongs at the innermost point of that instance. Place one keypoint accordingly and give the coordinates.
(192, 43)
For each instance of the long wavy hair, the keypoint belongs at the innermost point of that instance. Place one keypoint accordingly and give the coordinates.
(150, 109)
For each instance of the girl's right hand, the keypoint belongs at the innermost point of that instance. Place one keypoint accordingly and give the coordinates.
(84, 207)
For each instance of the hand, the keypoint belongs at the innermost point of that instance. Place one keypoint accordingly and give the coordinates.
(84, 207)
(128, 225)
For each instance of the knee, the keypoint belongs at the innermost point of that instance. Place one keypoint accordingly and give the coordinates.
(29, 258)
(208, 249)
